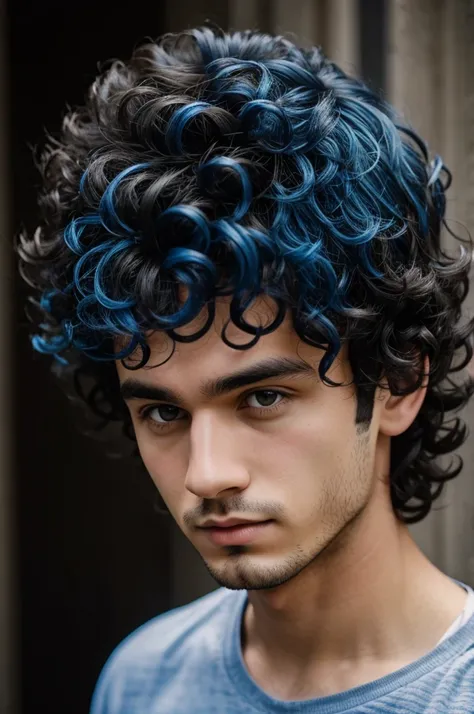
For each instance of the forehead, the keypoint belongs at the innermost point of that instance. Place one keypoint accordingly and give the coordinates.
(209, 354)
(209, 357)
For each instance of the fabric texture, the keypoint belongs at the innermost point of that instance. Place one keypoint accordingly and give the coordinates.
(460, 621)
(189, 661)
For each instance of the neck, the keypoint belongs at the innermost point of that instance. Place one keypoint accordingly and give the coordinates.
(370, 598)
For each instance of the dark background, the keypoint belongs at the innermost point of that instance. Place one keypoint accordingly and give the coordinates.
(94, 557)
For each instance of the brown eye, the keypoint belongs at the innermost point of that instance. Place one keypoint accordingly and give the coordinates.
(265, 398)
(163, 413)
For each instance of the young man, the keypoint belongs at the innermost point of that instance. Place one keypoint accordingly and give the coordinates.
(240, 250)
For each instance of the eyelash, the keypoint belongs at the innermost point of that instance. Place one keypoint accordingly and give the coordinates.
(145, 414)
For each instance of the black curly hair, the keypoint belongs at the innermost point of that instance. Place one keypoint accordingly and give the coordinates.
(239, 164)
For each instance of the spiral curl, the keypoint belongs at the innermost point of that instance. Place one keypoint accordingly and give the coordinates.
(239, 164)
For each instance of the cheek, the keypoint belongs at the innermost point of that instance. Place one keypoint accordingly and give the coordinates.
(319, 479)
(299, 463)
(314, 438)
(302, 460)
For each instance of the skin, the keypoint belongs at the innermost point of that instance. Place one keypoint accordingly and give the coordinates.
(339, 593)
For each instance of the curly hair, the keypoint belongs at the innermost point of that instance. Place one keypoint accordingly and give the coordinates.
(239, 164)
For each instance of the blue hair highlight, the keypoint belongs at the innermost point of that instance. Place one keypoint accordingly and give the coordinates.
(269, 124)
(201, 239)
(296, 194)
(305, 174)
(244, 251)
(99, 290)
(107, 211)
(223, 162)
(243, 87)
(80, 277)
(178, 122)
(75, 229)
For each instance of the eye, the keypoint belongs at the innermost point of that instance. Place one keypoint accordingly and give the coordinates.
(265, 399)
(163, 414)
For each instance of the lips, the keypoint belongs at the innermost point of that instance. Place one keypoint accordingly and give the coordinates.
(236, 526)
(229, 522)
(237, 535)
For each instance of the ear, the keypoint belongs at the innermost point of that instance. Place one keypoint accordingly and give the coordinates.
(399, 413)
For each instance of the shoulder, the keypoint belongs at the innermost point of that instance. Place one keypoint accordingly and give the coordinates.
(157, 647)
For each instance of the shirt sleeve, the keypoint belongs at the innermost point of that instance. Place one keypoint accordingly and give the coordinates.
(107, 697)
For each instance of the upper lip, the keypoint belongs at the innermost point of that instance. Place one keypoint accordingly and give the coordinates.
(212, 523)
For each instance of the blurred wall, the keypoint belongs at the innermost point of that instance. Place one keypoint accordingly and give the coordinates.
(93, 556)
(9, 625)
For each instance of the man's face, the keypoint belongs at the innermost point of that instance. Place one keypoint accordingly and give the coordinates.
(286, 448)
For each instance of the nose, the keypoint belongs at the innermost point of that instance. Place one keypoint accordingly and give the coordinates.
(217, 458)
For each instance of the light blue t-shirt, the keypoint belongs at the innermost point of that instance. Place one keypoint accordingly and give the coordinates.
(189, 661)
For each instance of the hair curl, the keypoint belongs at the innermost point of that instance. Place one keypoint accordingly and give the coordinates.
(241, 165)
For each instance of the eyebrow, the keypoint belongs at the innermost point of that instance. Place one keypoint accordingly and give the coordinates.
(275, 367)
